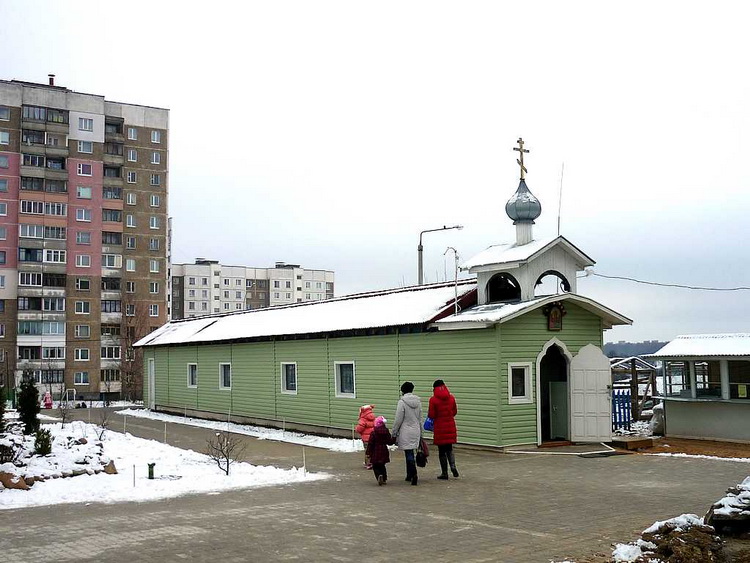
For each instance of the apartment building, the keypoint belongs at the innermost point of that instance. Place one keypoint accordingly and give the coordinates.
(83, 237)
(208, 287)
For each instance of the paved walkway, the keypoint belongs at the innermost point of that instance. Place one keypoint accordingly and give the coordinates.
(505, 507)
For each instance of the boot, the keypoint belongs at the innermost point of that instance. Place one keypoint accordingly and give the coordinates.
(443, 466)
(452, 461)
(411, 471)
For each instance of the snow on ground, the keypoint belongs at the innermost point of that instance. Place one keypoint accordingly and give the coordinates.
(177, 472)
(333, 444)
(695, 456)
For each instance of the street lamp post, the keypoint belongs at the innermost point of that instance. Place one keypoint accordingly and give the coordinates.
(420, 276)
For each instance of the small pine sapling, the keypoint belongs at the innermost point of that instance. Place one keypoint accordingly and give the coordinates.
(43, 442)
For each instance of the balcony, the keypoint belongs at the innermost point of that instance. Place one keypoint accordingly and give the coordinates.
(111, 318)
(110, 386)
(37, 291)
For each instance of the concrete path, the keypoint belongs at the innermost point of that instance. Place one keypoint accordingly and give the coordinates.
(505, 507)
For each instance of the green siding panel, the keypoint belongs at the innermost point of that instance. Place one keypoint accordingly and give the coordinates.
(473, 364)
(522, 340)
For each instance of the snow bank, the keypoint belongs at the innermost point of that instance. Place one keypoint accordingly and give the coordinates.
(177, 472)
(332, 444)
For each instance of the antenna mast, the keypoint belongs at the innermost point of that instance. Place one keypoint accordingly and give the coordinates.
(559, 204)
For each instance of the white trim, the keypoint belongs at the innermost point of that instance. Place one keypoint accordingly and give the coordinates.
(569, 358)
(284, 390)
(337, 382)
(528, 397)
(221, 381)
(188, 375)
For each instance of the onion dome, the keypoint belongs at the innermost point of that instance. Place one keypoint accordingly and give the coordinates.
(523, 206)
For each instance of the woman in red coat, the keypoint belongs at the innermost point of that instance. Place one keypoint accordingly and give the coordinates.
(443, 411)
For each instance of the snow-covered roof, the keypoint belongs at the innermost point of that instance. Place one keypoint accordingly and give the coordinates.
(486, 315)
(512, 253)
(395, 307)
(702, 345)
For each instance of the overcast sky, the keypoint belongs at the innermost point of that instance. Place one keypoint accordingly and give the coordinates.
(329, 134)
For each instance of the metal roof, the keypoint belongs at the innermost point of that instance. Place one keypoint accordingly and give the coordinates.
(706, 345)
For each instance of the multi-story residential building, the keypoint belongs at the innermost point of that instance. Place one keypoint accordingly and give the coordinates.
(208, 287)
(83, 237)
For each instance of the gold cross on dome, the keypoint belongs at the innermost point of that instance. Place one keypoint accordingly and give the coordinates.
(521, 150)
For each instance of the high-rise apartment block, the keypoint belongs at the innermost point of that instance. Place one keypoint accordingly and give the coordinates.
(83, 237)
(208, 287)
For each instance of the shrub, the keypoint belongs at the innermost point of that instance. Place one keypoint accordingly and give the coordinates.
(43, 442)
(28, 406)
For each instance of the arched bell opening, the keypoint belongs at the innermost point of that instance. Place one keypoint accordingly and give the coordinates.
(551, 282)
(502, 288)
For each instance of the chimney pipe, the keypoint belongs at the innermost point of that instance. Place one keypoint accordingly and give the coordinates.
(51, 79)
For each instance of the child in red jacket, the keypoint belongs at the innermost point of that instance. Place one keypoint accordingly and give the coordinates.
(364, 428)
(377, 448)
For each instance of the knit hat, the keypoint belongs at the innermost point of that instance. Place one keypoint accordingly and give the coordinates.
(438, 383)
(407, 387)
(380, 421)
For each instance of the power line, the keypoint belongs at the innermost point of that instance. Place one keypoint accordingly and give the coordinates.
(694, 287)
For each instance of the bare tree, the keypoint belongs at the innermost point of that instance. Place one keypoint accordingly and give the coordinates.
(104, 421)
(224, 449)
(63, 405)
(135, 327)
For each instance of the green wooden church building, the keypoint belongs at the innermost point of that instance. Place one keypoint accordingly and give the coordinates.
(525, 368)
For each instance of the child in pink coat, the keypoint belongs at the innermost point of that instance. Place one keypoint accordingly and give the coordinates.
(364, 428)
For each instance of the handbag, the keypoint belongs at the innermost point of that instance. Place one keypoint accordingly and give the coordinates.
(429, 424)
(423, 452)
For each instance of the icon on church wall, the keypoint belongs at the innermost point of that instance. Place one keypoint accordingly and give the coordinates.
(554, 313)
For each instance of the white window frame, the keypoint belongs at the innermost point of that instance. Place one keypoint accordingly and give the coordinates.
(130, 198)
(155, 200)
(83, 260)
(528, 396)
(132, 155)
(86, 144)
(221, 376)
(153, 310)
(81, 166)
(3, 209)
(82, 355)
(85, 307)
(85, 124)
(82, 190)
(128, 263)
(83, 215)
(156, 137)
(155, 180)
(339, 393)
(155, 157)
(284, 388)
(4, 137)
(132, 177)
(153, 266)
(132, 134)
(153, 287)
(153, 222)
(79, 333)
(78, 378)
(194, 374)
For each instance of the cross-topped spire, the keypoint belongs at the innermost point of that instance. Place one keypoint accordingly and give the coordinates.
(521, 150)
